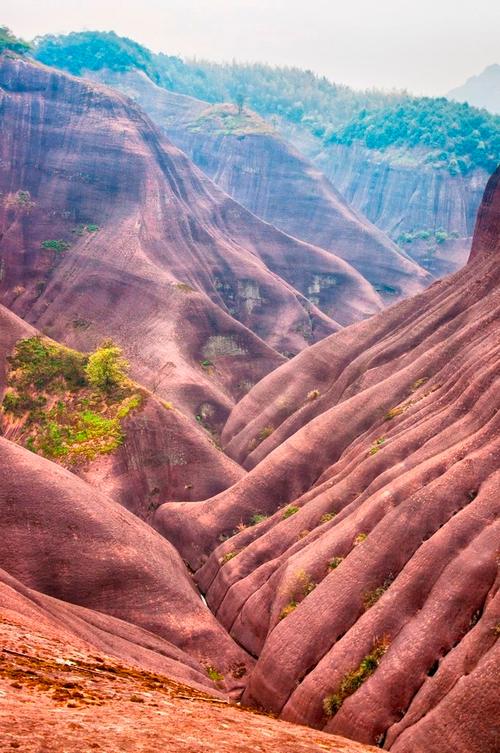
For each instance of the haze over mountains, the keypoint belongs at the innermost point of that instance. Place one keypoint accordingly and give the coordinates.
(289, 496)
(482, 90)
(416, 167)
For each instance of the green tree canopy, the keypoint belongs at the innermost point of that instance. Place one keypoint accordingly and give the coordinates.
(106, 368)
(9, 42)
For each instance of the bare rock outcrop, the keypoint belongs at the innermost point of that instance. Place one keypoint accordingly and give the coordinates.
(359, 556)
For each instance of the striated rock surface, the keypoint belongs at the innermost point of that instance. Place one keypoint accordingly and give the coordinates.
(108, 230)
(260, 170)
(360, 564)
(65, 694)
(409, 197)
(162, 453)
(69, 541)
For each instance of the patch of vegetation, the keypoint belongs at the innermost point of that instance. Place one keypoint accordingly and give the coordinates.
(360, 538)
(91, 228)
(313, 395)
(370, 598)
(58, 246)
(303, 586)
(377, 445)
(335, 562)
(394, 412)
(67, 413)
(214, 674)
(418, 383)
(206, 364)
(265, 433)
(227, 556)
(354, 679)
(184, 287)
(257, 518)
(452, 135)
(106, 369)
(291, 510)
(327, 516)
(12, 43)
(288, 609)
(430, 236)
(226, 119)
(23, 199)
(445, 134)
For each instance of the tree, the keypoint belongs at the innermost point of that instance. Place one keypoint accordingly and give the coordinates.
(9, 42)
(240, 101)
(106, 368)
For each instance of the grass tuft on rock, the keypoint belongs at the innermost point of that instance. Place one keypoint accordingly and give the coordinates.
(354, 679)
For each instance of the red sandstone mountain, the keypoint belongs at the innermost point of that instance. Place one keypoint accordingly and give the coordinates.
(352, 572)
(368, 588)
(260, 170)
(162, 454)
(108, 230)
(67, 540)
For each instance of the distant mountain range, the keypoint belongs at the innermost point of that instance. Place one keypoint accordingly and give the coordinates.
(482, 90)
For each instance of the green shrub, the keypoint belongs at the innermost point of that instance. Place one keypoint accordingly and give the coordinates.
(353, 680)
(257, 518)
(214, 674)
(327, 516)
(335, 562)
(9, 42)
(370, 598)
(57, 246)
(291, 510)
(82, 422)
(227, 556)
(106, 368)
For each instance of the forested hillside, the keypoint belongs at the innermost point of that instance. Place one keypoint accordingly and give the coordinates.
(447, 134)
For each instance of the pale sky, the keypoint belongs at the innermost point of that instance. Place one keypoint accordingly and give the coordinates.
(426, 46)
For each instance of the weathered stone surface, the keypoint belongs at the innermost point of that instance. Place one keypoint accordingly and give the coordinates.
(265, 174)
(379, 471)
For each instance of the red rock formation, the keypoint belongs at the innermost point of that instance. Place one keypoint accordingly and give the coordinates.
(58, 694)
(108, 230)
(66, 540)
(370, 594)
(264, 173)
(407, 197)
(162, 455)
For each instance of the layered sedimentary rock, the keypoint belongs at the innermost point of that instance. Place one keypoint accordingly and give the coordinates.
(72, 686)
(264, 173)
(359, 561)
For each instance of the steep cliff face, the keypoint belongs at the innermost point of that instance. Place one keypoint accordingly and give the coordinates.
(108, 230)
(409, 197)
(361, 556)
(259, 169)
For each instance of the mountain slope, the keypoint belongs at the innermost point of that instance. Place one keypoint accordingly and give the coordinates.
(108, 230)
(158, 453)
(481, 91)
(254, 165)
(361, 560)
(69, 541)
(57, 689)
